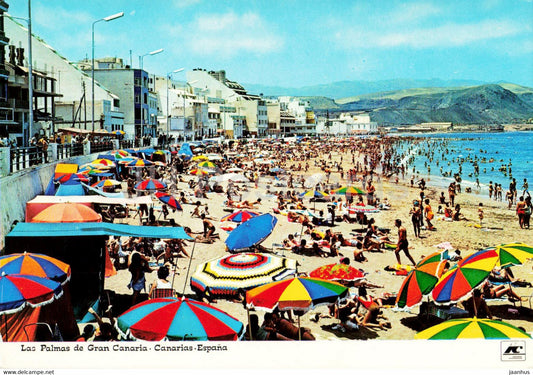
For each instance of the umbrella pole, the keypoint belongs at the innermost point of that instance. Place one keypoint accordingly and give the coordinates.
(249, 325)
(188, 268)
(299, 329)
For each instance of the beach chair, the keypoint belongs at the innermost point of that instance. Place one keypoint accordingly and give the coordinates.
(162, 293)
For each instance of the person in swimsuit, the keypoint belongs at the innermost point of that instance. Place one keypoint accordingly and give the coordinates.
(403, 244)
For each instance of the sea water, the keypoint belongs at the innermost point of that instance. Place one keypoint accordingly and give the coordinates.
(499, 157)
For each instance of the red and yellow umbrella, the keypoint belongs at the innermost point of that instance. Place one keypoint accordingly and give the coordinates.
(198, 172)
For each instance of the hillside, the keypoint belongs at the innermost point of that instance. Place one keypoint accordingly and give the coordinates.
(493, 104)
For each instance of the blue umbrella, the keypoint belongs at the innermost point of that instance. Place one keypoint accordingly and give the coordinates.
(251, 232)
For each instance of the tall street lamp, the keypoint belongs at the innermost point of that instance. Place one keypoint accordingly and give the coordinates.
(106, 19)
(141, 58)
(169, 76)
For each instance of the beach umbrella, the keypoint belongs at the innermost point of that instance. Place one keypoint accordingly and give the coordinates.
(118, 132)
(103, 162)
(338, 272)
(62, 178)
(299, 294)
(177, 320)
(67, 213)
(206, 164)
(314, 194)
(169, 199)
(18, 291)
(199, 158)
(198, 172)
(230, 274)
(420, 281)
(240, 216)
(121, 154)
(35, 265)
(472, 328)
(313, 180)
(459, 281)
(214, 157)
(150, 184)
(106, 183)
(512, 254)
(251, 232)
(139, 163)
(348, 190)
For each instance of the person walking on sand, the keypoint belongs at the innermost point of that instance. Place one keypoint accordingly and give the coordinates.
(403, 244)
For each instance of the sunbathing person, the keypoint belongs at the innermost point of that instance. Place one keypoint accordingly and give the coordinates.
(288, 329)
(373, 316)
(496, 291)
(197, 236)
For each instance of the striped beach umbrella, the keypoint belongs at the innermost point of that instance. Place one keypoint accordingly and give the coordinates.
(35, 265)
(18, 291)
(106, 183)
(176, 319)
(240, 216)
(348, 190)
(338, 272)
(198, 172)
(472, 328)
(150, 184)
(207, 164)
(139, 163)
(512, 254)
(314, 194)
(459, 281)
(169, 199)
(103, 162)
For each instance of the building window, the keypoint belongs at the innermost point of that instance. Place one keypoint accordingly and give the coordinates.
(137, 99)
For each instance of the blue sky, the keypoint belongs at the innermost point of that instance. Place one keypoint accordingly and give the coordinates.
(295, 43)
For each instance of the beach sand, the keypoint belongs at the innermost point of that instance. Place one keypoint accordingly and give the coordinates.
(463, 235)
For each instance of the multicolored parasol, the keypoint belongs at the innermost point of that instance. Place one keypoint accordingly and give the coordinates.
(17, 291)
(67, 213)
(458, 282)
(232, 273)
(240, 216)
(512, 254)
(169, 199)
(35, 265)
(472, 328)
(176, 320)
(299, 294)
(348, 190)
(150, 184)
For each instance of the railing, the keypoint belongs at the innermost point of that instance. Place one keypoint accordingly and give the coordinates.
(25, 157)
(101, 146)
(68, 150)
(126, 144)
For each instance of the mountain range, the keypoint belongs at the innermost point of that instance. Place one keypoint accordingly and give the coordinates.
(460, 102)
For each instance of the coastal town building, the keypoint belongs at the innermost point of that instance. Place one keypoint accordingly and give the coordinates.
(60, 90)
(250, 117)
(348, 124)
(136, 90)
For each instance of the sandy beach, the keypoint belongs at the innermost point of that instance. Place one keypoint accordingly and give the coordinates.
(500, 225)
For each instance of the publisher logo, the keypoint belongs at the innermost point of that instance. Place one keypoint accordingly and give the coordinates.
(513, 350)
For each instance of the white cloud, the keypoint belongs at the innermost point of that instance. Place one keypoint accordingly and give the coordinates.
(448, 35)
(57, 18)
(227, 35)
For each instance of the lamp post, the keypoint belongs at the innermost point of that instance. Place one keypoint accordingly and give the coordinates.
(106, 19)
(184, 93)
(169, 76)
(141, 58)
